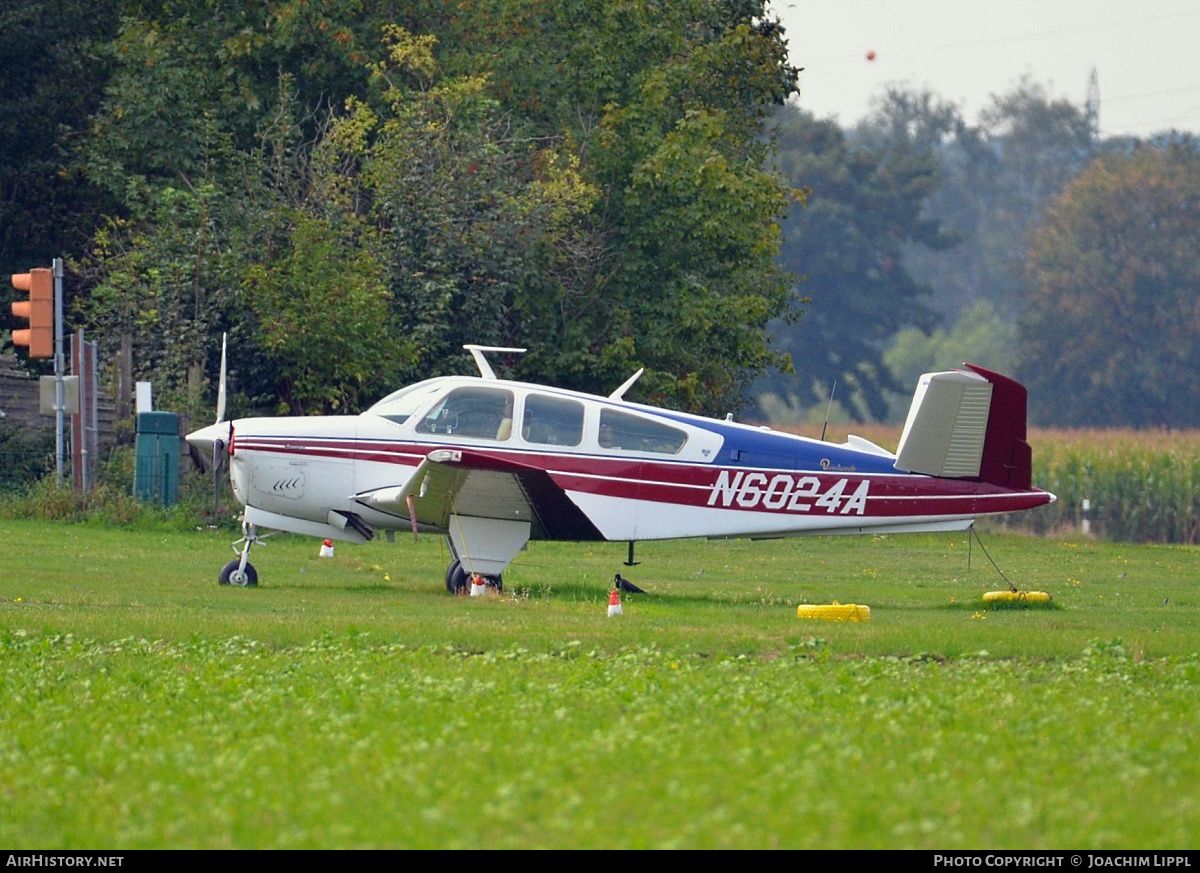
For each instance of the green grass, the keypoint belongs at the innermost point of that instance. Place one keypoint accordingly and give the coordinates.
(352, 703)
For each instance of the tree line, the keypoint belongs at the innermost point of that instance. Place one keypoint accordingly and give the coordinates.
(353, 190)
(1025, 242)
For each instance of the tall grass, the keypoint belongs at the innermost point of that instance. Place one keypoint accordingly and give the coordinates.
(1141, 486)
(111, 500)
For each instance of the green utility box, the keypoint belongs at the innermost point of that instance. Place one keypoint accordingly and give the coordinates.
(156, 468)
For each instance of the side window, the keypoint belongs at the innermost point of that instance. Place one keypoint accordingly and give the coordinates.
(482, 413)
(619, 430)
(553, 421)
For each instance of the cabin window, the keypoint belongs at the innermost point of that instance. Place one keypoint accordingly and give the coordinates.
(552, 421)
(619, 430)
(480, 413)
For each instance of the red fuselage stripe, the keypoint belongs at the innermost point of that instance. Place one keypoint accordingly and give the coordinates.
(800, 492)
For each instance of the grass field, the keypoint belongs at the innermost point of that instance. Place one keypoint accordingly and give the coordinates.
(352, 703)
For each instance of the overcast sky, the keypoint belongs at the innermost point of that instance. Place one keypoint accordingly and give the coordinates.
(1144, 52)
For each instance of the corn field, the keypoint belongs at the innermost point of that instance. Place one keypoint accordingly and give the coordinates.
(1140, 486)
(1127, 485)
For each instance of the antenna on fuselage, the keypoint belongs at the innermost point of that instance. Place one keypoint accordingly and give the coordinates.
(619, 394)
(828, 407)
(485, 369)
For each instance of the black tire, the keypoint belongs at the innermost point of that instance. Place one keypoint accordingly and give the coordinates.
(456, 579)
(229, 575)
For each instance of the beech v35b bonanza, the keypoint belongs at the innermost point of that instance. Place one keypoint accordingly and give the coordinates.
(492, 464)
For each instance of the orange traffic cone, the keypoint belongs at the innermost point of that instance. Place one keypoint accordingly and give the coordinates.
(478, 586)
(614, 603)
(327, 549)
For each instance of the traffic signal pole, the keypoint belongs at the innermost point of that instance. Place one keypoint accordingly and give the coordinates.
(44, 336)
(56, 268)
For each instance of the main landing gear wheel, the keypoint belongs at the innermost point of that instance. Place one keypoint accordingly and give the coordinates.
(458, 580)
(231, 575)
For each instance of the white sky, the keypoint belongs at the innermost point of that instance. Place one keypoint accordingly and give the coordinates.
(1146, 54)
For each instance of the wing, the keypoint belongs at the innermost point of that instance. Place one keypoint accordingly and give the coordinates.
(489, 506)
(460, 483)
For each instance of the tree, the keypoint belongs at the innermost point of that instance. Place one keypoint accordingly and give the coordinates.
(980, 336)
(466, 208)
(285, 262)
(1044, 143)
(650, 246)
(864, 205)
(498, 188)
(316, 288)
(194, 81)
(186, 142)
(994, 178)
(1112, 335)
(661, 109)
(967, 166)
(51, 80)
(164, 282)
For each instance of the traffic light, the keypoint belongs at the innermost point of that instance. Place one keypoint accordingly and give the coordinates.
(39, 309)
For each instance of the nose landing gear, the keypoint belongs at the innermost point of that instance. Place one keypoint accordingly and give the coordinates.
(240, 571)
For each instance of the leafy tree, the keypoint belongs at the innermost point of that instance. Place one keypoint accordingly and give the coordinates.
(967, 166)
(51, 80)
(1112, 335)
(864, 205)
(195, 80)
(994, 178)
(1044, 142)
(625, 218)
(979, 336)
(323, 312)
(464, 207)
(590, 91)
(315, 291)
(284, 262)
(696, 283)
(163, 283)
(187, 143)
(983, 186)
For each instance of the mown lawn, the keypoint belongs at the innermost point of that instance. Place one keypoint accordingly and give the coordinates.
(352, 703)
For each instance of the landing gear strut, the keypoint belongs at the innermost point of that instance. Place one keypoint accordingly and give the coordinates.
(240, 571)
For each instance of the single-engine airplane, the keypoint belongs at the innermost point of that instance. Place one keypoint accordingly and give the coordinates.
(492, 464)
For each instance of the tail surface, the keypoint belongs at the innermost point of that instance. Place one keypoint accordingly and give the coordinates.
(968, 425)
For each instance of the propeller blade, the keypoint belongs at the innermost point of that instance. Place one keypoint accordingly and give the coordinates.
(221, 383)
(218, 461)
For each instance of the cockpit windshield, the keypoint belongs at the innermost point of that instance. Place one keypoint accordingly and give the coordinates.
(400, 405)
